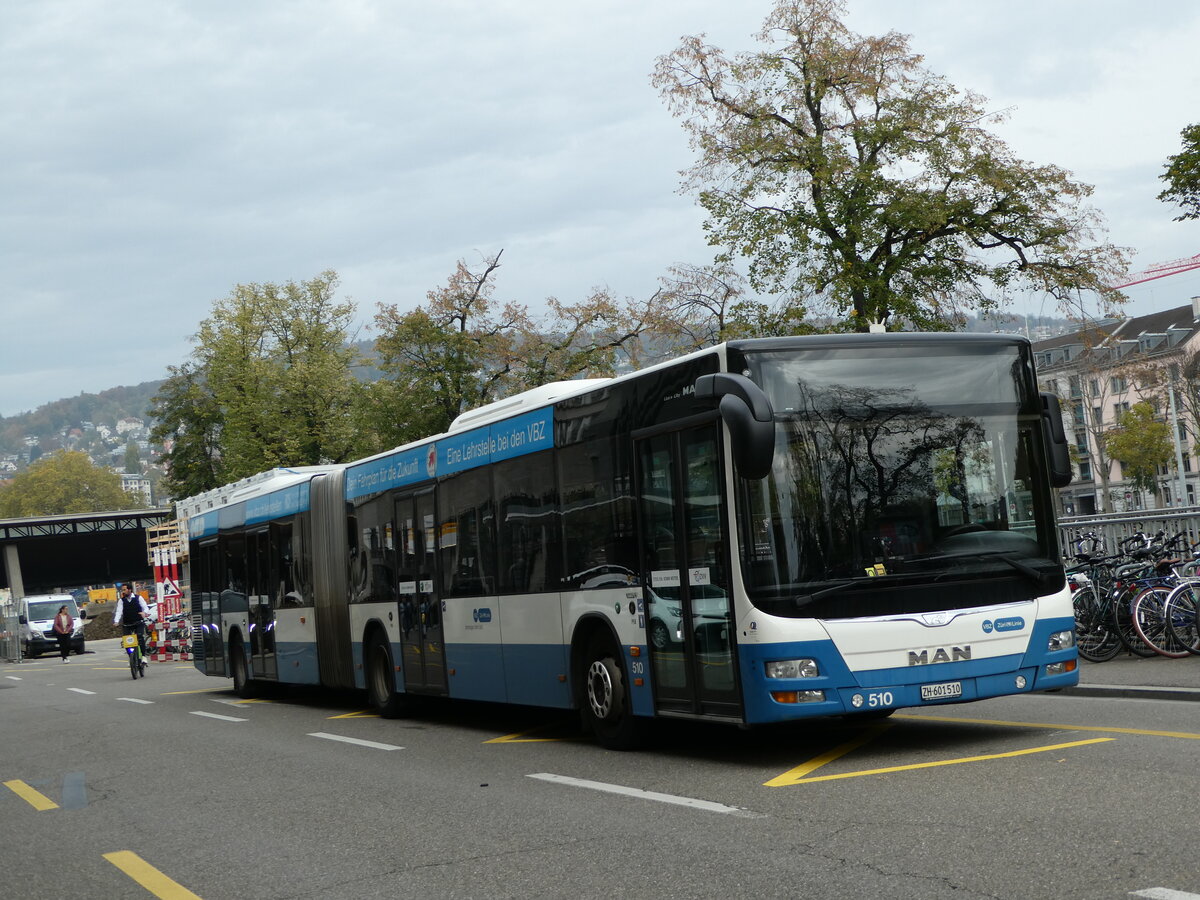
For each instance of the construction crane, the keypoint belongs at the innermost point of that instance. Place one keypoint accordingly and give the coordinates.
(1160, 270)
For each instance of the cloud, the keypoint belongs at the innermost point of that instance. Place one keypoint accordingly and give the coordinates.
(159, 152)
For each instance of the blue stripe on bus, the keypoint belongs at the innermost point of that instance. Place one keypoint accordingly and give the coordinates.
(297, 662)
(478, 671)
(511, 673)
(981, 678)
(526, 433)
(535, 674)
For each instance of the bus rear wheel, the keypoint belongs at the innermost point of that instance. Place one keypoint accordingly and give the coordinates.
(243, 686)
(607, 709)
(381, 680)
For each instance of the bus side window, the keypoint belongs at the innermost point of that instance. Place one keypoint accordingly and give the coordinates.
(527, 525)
(597, 508)
(467, 543)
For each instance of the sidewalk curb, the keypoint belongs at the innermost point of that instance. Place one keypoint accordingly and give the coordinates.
(1140, 692)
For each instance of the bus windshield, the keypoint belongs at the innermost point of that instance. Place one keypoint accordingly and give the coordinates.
(904, 480)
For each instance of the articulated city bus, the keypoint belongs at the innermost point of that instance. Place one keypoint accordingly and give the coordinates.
(760, 531)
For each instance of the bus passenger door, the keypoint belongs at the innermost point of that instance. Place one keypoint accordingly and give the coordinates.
(689, 619)
(423, 655)
(262, 612)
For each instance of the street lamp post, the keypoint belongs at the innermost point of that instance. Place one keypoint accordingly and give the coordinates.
(1181, 484)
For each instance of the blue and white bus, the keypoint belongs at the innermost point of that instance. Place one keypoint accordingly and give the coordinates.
(760, 531)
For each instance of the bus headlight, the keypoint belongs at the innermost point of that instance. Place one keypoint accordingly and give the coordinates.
(792, 668)
(1061, 640)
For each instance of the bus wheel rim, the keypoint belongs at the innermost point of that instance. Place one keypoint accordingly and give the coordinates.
(600, 689)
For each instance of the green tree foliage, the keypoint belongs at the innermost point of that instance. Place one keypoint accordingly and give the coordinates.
(1141, 443)
(859, 183)
(270, 384)
(133, 458)
(188, 426)
(1183, 175)
(463, 349)
(64, 482)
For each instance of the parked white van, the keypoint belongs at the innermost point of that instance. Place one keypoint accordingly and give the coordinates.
(36, 614)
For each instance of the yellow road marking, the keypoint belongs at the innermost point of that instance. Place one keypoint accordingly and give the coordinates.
(1103, 729)
(34, 798)
(942, 762)
(149, 877)
(361, 714)
(519, 737)
(793, 776)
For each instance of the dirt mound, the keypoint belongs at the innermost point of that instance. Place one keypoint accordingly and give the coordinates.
(101, 628)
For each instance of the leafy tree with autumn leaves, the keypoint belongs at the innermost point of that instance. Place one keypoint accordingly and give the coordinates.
(463, 348)
(855, 181)
(66, 481)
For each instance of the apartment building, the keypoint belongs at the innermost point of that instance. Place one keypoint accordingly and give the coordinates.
(1102, 370)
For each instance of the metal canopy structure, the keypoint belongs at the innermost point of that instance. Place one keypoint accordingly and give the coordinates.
(44, 553)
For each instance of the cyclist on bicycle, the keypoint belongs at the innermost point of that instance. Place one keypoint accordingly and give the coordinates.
(131, 614)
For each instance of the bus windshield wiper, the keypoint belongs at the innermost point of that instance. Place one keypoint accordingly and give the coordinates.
(832, 587)
(1038, 576)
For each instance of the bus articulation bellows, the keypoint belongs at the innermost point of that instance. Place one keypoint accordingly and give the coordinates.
(760, 531)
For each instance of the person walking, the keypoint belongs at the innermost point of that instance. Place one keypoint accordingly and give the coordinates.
(64, 625)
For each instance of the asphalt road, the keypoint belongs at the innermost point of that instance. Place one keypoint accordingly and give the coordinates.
(171, 786)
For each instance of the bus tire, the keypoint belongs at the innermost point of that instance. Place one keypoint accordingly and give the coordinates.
(607, 707)
(243, 685)
(381, 680)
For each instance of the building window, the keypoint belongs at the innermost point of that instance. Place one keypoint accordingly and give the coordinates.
(1098, 415)
(1117, 383)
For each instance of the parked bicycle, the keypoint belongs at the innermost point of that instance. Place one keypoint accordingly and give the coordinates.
(1106, 591)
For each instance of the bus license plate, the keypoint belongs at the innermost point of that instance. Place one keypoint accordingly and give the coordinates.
(943, 691)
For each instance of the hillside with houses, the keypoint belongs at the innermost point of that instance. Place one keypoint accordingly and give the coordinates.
(111, 427)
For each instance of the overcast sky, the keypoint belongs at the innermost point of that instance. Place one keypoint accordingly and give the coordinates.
(155, 153)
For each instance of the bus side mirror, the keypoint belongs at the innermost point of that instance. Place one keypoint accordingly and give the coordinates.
(747, 412)
(1056, 441)
(21, 620)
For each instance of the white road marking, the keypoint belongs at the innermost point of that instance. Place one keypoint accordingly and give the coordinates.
(13, 677)
(1161, 893)
(706, 805)
(208, 715)
(357, 741)
(81, 691)
(134, 700)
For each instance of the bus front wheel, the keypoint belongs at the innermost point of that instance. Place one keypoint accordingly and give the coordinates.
(607, 709)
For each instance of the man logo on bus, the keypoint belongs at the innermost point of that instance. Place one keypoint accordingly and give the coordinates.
(940, 655)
